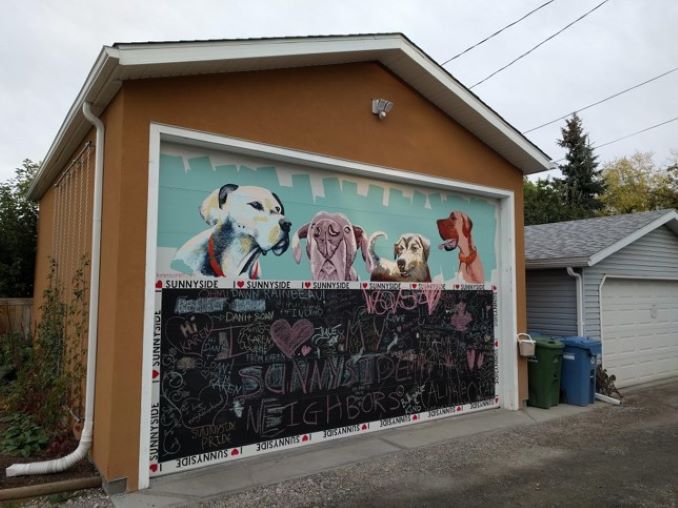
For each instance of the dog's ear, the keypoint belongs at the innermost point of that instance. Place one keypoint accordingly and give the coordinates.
(360, 240)
(302, 232)
(210, 210)
(426, 244)
(467, 225)
(225, 191)
(282, 207)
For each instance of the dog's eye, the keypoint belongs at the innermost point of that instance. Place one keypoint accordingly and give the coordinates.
(276, 210)
(256, 205)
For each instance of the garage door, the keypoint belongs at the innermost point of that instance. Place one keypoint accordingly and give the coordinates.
(295, 304)
(640, 329)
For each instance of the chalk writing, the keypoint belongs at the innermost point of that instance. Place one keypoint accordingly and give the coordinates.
(268, 364)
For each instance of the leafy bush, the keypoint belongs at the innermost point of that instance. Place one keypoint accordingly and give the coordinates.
(22, 436)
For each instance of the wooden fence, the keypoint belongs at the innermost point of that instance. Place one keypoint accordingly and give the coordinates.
(15, 315)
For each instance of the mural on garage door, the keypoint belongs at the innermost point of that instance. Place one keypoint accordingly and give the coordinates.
(295, 305)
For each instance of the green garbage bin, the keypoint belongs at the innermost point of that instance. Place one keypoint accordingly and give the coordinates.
(543, 370)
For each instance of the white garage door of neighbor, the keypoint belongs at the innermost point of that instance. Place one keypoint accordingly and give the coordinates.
(640, 329)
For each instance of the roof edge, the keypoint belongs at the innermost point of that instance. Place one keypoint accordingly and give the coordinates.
(56, 154)
(104, 80)
(670, 219)
(542, 264)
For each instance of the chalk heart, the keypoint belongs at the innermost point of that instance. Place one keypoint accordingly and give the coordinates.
(364, 427)
(155, 373)
(240, 283)
(234, 452)
(153, 468)
(305, 350)
(415, 417)
(304, 439)
(289, 338)
(414, 286)
(458, 408)
(365, 285)
(307, 284)
(158, 285)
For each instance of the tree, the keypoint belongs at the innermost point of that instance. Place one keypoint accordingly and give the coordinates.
(635, 184)
(543, 203)
(581, 182)
(18, 227)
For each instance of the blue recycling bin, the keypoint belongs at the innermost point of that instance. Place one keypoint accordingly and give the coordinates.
(578, 377)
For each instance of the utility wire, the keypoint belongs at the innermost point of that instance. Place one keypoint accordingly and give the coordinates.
(602, 100)
(627, 136)
(637, 132)
(496, 33)
(540, 44)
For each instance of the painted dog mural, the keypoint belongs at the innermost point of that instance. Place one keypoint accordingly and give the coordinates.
(246, 222)
(332, 243)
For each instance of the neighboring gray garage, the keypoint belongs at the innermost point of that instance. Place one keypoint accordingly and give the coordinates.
(613, 279)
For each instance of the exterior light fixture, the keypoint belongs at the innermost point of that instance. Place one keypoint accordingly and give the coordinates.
(381, 107)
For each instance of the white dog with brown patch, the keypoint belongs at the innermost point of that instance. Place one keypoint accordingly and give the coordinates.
(247, 222)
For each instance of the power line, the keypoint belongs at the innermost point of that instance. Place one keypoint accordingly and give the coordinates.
(602, 100)
(627, 136)
(540, 44)
(497, 32)
(637, 132)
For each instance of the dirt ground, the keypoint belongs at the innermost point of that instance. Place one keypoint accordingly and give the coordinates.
(610, 456)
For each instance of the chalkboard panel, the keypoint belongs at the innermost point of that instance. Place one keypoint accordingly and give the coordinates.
(242, 366)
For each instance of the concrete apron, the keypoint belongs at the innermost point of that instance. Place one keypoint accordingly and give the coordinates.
(190, 487)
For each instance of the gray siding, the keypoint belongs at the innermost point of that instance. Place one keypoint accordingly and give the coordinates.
(551, 302)
(653, 256)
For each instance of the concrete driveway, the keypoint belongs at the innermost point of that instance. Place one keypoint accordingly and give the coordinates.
(565, 456)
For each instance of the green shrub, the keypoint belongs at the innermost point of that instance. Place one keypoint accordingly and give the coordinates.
(22, 436)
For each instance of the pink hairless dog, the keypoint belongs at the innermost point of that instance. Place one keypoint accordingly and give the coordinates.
(331, 245)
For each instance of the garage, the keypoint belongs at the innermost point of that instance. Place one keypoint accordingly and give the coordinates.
(290, 240)
(613, 279)
(640, 327)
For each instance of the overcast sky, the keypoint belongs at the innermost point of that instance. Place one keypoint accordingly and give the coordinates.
(47, 48)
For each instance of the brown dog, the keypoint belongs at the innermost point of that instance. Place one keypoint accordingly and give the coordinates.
(411, 259)
(455, 230)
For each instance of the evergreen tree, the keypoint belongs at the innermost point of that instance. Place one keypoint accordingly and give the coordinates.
(582, 184)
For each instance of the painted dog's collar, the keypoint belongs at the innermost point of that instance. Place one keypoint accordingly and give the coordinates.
(467, 260)
(216, 268)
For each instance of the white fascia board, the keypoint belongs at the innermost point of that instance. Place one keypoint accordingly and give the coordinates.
(671, 219)
(163, 53)
(470, 99)
(543, 264)
(101, 71)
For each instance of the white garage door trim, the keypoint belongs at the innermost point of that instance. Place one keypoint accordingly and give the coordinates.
(506, 254)
(604, 333)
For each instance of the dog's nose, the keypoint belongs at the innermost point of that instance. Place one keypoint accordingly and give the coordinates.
(401, 264)
(285, 225)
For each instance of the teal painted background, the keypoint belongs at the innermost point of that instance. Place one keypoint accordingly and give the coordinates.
(182, 192)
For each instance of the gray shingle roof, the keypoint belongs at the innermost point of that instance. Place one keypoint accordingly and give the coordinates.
(573, 243)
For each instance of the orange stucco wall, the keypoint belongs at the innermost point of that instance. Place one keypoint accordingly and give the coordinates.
(319, 109)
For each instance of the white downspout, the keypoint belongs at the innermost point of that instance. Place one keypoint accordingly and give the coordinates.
(63, 463)
(580, 300)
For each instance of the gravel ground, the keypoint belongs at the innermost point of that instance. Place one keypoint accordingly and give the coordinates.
(610, 456)
(90, 498)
